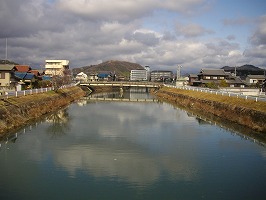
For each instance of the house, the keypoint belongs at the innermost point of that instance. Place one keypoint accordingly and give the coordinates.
(7, 80)
(139, 75)
(93, 77)
(37, 73)
(27, 80)
(56, 67)
(105, 76)
(234, 81)
(216, 76)
(192, 78)
(22, 68)
(255, 79)
(82, 77)
(161, 75)
(182, 81)
(210, 76)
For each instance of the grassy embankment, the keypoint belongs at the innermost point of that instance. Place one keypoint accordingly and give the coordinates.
(17, 111)
(244, 112)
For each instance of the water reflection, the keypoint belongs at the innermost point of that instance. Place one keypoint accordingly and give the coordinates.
(127, 145)
(153, 146)
(126, 164)
(59, 123)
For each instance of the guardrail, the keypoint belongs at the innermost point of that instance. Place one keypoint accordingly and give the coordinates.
(220, 92)
(30, 92)
(24, 92)
(121, 84)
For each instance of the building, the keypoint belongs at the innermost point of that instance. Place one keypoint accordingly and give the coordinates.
(106, 76)
(215, 76)
(7, 78)
(207, 76)
(25, 79)
(22, 68)
(192, 78)
(234, 81)
(161, 75)
(139, 75)
(82, 77)
(255, 79)
(212, 75)
(93, 77)
(56, 67)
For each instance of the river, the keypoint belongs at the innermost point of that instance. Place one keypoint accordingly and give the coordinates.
(130, 150)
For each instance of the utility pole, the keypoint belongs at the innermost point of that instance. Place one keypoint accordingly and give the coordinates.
(6, 52)
(178, 74)
(235, 71)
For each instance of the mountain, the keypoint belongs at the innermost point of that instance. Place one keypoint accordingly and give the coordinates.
(120, 68)
(244, 70)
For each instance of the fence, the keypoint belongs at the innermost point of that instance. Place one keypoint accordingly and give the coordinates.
(29, 92)
(221, 92)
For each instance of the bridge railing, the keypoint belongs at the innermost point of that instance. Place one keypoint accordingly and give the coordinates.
(119, 83)
(221, 92)
(8, 94)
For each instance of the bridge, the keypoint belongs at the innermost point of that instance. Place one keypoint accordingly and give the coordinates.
(119, 99)
(122, 84)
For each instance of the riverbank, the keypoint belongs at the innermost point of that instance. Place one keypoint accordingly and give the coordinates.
(18, 111)
(248, 113)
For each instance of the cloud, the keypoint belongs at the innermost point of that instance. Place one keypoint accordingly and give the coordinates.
(231, 37)
(259, 37)
(89, 31)
(145, 37)
(237, 21)
(192, 30)
(115, 10)
(124, 10)
(257, 50)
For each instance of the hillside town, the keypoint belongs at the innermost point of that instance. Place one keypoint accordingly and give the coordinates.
(57, 72)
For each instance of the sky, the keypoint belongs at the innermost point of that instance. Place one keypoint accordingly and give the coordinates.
(161, 34)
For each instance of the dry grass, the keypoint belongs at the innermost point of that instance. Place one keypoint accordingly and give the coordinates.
(251, 104)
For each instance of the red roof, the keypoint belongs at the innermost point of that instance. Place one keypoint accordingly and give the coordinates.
(22, 68)
(35, 72)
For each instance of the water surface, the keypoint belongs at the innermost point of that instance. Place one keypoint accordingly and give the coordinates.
(130, 150)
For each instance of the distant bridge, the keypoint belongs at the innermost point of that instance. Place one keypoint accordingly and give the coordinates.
(122, 84)
(119, 99)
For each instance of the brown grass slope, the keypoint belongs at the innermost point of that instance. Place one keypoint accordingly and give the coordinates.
(17, 111)
(244, 112)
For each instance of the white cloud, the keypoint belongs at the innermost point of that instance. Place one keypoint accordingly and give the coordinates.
(192, 30)
(121, 10)
(89, 31)
(257, 51)
(124, 10)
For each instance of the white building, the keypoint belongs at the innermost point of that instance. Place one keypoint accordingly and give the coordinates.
(56, 67)
(161, 75)
(82, 77)
(139, 75)
(253, 79)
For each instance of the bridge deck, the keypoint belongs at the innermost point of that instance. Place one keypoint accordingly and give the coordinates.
(122, 84)
(120, 99)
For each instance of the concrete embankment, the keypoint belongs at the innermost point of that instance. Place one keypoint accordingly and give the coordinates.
(244, 112)
(18, 111)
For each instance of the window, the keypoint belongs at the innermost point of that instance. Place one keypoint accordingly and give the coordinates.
(2, 75)
(221, 77)
(207, 77)
(214, 77)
